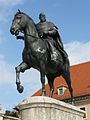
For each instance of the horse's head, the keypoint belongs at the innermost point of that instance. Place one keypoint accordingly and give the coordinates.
(18, 23)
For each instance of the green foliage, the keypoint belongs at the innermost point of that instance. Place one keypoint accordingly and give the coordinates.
(11, 113)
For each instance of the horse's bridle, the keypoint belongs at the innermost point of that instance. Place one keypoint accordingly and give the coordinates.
(30, 35)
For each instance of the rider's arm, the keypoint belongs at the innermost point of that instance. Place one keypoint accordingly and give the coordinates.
(52, 31)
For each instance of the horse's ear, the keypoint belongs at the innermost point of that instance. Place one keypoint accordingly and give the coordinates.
(19, 11)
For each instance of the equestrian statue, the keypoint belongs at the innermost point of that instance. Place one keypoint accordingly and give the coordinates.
(43, 50)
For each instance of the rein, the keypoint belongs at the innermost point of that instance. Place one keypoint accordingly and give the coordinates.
(30, 35)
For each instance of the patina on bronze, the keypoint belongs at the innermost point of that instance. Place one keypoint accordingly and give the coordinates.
(40, 52)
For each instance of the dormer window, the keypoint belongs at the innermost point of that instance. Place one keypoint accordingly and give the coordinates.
(61, 91)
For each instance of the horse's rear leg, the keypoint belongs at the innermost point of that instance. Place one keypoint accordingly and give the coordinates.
(20, 68)
(66, 76)
(50, 78)
(42, 74)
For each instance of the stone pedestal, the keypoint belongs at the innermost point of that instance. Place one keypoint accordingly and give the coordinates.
(1, 116)
(46, 108)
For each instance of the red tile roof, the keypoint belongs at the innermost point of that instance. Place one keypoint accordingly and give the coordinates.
(80, 77)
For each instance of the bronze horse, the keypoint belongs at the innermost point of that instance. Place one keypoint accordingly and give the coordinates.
(36, 54)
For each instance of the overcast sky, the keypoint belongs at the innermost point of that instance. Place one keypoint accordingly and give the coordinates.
(72, 19)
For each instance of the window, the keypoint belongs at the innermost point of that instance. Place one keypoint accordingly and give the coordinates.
(61, 90)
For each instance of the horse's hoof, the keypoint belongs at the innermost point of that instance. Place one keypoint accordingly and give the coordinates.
(51, 93)
(73, 101)
(20, 88)
(43, 93)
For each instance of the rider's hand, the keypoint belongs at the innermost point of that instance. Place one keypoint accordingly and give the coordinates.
(46, 32)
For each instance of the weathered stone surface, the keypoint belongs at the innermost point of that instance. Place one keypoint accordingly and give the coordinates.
(5, 117)
(46, 108)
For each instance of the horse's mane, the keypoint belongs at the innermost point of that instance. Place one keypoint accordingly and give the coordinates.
(28, 17)
(25, 15)
(31, 20)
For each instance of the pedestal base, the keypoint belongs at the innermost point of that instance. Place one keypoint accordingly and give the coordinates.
(46, 108)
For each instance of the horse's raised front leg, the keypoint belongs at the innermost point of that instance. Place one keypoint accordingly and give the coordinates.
(20, 68)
